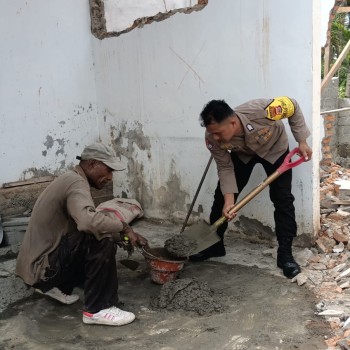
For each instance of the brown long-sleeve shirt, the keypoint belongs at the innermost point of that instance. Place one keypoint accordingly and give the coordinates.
(64, 206)
(262, 136)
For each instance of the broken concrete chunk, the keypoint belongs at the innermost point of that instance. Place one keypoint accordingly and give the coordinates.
(331, 312)
(338, 248)
(339, 215)
(303, 256)
(339, 236)
(318, 266)
(345, 285)
(346, 324)
(345, 273)
(325, 244)
(301, 279)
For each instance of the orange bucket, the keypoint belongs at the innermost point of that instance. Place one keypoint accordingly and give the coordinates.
(164, 267)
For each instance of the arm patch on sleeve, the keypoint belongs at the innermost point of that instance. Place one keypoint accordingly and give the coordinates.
(280, 108)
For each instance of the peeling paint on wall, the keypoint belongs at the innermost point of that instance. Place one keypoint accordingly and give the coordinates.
(49, 143)
(169, 197)
(34, 172)
(254, 229)
(110, 19)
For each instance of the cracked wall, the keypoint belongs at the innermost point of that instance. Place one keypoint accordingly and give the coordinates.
(113, 18)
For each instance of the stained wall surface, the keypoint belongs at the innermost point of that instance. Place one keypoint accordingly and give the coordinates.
(153, 82)
(143, 91)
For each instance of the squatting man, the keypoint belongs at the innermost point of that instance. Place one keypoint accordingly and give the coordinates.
(239, 139)
(69, 244)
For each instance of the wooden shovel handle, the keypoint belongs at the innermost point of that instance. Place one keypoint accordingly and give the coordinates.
(286, 165)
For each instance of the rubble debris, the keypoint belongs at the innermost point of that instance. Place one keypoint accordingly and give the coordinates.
(327, 271)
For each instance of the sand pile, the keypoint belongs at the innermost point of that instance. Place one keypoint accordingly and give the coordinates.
(187, 294)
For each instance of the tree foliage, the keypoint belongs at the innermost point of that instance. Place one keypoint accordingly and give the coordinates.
(340, 35)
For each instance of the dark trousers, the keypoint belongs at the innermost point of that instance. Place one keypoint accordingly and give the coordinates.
(280, 195)
(82, 260)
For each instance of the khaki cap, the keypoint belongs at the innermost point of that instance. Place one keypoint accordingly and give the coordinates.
(104, 154)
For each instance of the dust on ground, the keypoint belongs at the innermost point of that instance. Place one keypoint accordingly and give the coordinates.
(188, 294)
(180, 246)
(262, 309)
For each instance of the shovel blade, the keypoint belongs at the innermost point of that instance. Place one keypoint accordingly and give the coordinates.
(204, 235)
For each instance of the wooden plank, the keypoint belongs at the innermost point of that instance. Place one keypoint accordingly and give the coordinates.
(336, 65)
(344, 9)
(342, 202)
(32, 181)
(15, 222)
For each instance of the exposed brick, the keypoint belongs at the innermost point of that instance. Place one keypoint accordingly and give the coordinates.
(326, 140)
(329, 118)
(326, 162)
(340, 237)
(329, 125)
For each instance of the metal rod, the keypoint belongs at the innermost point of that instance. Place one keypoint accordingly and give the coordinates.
(196, 194)
(336, 110)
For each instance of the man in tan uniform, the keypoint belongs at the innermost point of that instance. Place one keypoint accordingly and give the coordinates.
(238, 139)
(68, 243)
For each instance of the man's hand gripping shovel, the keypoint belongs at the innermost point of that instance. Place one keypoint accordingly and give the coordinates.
(205, 235)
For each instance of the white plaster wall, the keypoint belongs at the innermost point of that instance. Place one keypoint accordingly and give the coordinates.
(47, 86)
(161, 76)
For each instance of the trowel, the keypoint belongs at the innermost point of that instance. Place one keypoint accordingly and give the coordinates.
(205, 235)
(130, 264)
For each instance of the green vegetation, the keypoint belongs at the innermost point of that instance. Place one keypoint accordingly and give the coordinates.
(340, 35)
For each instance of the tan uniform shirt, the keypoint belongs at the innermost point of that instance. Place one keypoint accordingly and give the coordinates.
(65, 206)
(262, 136)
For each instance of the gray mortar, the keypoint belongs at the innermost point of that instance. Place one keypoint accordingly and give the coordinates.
(181, 246)
(187, 294)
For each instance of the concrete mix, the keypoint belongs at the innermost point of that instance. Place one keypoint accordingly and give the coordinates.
(187, 294)
(180, 245)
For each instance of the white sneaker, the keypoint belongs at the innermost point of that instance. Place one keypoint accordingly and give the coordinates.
(58, 295)
(110, 317)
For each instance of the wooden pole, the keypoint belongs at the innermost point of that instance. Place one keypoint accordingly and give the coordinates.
(336, 65)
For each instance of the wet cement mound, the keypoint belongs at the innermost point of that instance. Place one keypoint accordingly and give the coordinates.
(187, 294)
(180, 246)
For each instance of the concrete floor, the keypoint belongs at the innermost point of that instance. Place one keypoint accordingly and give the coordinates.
(263, 310)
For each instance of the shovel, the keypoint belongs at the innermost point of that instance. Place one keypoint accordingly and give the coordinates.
(205, 235)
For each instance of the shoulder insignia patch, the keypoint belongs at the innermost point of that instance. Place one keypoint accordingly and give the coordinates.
(281, 107)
